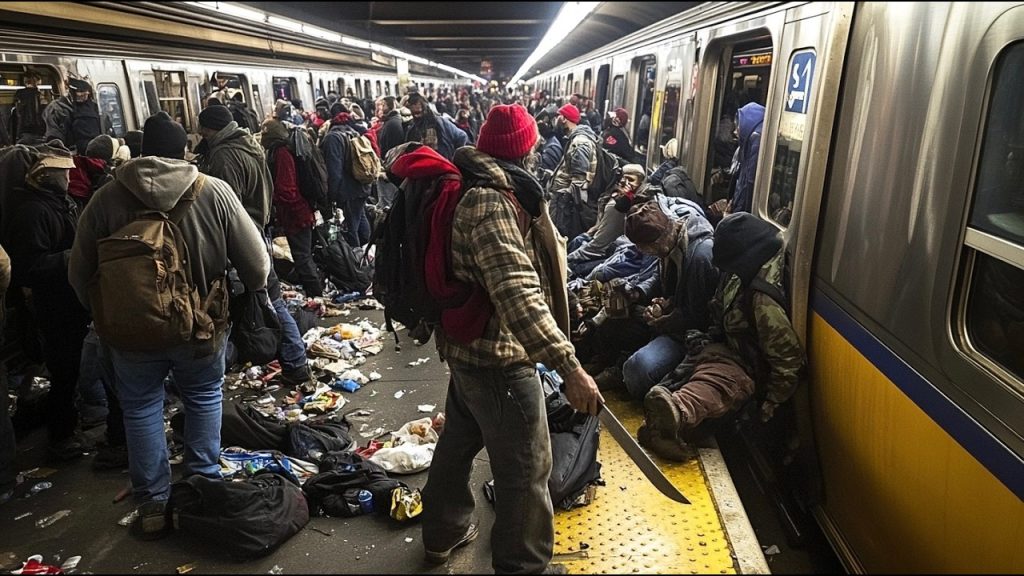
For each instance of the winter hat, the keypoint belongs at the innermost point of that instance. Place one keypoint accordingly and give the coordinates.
(122, 154)
(215, 117)
(79, 85)
(744, 243)
(102, 147)
(53, 154)
(635, 169)
(646, 224)
(670, 149)
(357, 112)
(509, 133)
(133, 140)
(621, 115)
(283, 110)
(162, 136)
(571, 113)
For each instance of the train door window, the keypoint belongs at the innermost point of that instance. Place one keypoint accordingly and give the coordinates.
(257, 102)
(618, 92)
(742, 77)
(647, 73)
(602, 89)
(789, 144)
(285, 88)
(669, 116)
(12, 80)
(224, 86)
(367, 91)
(171, 97)
(387, 88)
(379, 92)
(108, 97)
(586, 84)
(320, 92)
(993, 318)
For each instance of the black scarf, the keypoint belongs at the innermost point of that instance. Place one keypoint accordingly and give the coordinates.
(527, 189)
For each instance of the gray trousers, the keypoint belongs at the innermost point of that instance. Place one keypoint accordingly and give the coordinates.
(504, 411)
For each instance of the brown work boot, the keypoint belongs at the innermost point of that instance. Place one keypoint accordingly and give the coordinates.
(661, 412)
(669, 448)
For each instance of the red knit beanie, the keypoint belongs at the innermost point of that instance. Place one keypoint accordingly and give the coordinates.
(509, 133)
(571, 113)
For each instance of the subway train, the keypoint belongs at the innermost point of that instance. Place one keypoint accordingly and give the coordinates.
(178, 59)
(891, 161)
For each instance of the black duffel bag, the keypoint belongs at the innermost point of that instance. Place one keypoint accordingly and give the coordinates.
(246, 519)
(255, 327)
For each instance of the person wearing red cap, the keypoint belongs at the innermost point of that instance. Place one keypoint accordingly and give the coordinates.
(502, 240)
(614, 138)
(573, 211)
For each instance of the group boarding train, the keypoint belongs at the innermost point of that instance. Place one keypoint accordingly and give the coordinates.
(892, 161)
(146, 57)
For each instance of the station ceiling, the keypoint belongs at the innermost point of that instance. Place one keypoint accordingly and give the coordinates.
(464, 34)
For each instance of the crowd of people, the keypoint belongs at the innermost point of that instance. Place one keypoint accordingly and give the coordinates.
(645, 287)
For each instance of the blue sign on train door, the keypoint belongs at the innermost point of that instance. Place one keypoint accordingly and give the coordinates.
(798, 82)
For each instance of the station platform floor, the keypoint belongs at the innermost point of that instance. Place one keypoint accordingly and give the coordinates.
(628, 528)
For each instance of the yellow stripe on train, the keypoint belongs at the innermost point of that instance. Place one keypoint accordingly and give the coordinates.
(883, 457)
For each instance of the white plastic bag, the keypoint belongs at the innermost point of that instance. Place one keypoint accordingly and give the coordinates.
(405, 458)
(416, 432)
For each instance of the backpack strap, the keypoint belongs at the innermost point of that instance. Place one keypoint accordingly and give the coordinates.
(761, 285)
(187, 199)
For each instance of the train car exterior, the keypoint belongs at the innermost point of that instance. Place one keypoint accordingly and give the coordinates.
(891, 158)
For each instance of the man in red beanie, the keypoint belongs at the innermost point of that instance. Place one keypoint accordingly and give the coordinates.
(502, 239)
(573, 210)
(614, 138)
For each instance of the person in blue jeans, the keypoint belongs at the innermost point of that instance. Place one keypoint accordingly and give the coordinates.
(216, 230)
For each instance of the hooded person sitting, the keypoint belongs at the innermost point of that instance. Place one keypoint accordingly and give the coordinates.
(761, 356)
(669, 151)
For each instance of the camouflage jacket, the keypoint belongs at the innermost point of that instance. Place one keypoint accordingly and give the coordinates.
(768, 345)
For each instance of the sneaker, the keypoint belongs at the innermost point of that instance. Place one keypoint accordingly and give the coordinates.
(669, 448)
(151, 521)
(661, 412)
(67, 449)
(111, 458)
(609, 379)
(441, 557)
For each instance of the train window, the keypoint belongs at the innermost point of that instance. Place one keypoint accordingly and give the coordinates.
(224, 86)
(788, 148)
(320, 92)
(13, 80)
(669, 115)
(586, 84)
(742, 77)
(170, 93)
(648, 71)
(285, 88)
(257, 102)
(994, 314)
(387, 88)
(378, 93)
(601, 102)
(618, 92)
(108, 96)
(367, 93)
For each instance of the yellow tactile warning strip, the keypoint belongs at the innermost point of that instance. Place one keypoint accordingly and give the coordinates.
(630, 527)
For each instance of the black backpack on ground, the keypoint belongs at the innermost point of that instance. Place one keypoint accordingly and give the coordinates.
(246, 519)
(335, 490)
(677, 183)
(310, 441)
(245, 427)
(339, 262)
(575, 439)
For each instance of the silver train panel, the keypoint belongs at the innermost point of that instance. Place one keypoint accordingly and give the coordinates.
(892, 233)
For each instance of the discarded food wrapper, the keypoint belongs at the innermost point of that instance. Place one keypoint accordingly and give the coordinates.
(419, 361)
(418, 431)
(186, 568)
(406, 503)
(374, 376)
(34, 565)
(128, 518)
(399, 394)
(275, 570)
(408, 540)
(428, 408)
(404, 458)
(71, 563)
(22, 516)
(47, 521)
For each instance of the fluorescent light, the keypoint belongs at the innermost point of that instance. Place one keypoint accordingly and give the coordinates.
(355, 42)
(320, 33)
(285, 23)
(235, 10)
(569, 17)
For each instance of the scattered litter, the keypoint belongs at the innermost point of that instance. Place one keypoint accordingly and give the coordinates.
(372, 433)
(428, 408)
(44, 522)
(276, 570)
(324, 532)
(186, 568)
(39, 487)
(373, 393)
(771, 550)
(21, 516)
(374, 376)
(408, 540)
(128, 518)
(38, 473)
(419, 362)
(576, 555)
(399, 394)
(71, 563)
(34, 565)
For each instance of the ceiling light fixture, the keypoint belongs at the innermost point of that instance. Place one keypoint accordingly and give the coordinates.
(569, 17)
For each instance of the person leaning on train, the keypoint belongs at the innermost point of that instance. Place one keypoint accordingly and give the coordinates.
(761, 355)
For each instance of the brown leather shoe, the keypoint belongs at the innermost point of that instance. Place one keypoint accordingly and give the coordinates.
(668, 448)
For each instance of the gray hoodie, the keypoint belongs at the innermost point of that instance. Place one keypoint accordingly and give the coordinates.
(216, 229)
(235, 157)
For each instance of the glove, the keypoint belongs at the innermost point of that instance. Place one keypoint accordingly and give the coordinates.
(623, 204)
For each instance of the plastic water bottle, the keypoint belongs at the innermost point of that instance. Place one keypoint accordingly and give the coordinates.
(366, 501)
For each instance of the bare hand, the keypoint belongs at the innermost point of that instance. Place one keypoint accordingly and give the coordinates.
(582, 392)
(768, 410)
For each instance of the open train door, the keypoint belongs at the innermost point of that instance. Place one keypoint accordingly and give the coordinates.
(790, 182)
